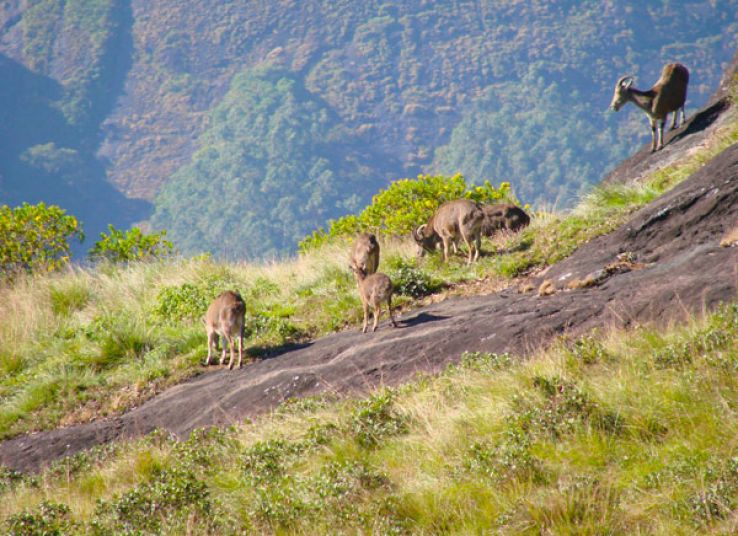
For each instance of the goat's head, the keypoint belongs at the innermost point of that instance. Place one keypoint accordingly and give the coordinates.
(620, 96)
(427, 240)
(359, 271)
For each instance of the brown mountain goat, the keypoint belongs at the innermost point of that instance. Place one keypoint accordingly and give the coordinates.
(666, 96)
(460, 218)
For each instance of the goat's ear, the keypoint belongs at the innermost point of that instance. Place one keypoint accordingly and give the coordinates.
(627, 82)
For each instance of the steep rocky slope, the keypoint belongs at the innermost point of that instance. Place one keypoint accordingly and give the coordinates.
(681, 270)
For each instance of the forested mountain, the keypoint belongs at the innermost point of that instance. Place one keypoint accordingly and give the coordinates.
(242, 125)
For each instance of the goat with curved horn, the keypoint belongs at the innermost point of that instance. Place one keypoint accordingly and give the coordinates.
(666, 96)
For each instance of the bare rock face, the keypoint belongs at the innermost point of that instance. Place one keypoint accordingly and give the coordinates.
(675, 268)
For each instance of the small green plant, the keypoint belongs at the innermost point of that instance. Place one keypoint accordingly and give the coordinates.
(131, 245)
(510, 458)
(409, 280)
(376, 418)
(35, 238)
(67, 299)
(588, 350)
(485, 360)
(189, 301)
(184, 301)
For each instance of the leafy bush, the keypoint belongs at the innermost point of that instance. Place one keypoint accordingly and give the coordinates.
(35, 237)
(405, 204)
(132, 245)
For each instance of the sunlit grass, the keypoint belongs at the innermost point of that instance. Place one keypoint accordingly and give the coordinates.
(619, 432)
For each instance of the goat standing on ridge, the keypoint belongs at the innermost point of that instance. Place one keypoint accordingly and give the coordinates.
(667, 95)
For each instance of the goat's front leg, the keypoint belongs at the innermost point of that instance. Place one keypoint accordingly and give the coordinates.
(661, 135)
(674, 120)
(445, 248)
(469, 248)
(240, 347)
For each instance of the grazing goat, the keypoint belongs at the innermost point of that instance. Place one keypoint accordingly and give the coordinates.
(666, 96)
(365, 253)
(503, 216)
(460, 218)
(374, 289)
(226, 317)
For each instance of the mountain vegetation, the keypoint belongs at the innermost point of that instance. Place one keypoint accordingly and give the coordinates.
(281, 116)
(616, 432)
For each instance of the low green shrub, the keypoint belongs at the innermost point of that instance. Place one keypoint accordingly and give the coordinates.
(48, 519)
(190, 301)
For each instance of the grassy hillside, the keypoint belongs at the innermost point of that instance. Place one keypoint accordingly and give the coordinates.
(94, 342)
(147, 96)
(617, 433)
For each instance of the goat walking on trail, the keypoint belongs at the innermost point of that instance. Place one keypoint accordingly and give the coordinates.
(226, 317)
(667, 95)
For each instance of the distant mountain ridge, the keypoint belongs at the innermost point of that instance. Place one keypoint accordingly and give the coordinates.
(344, 97)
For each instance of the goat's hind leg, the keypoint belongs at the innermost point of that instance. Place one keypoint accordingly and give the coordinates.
(389, 309)
(212, 342)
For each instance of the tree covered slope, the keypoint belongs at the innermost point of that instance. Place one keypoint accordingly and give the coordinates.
(279, 115)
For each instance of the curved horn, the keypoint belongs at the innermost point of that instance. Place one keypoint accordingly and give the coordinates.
(418, 233)
(626, 81)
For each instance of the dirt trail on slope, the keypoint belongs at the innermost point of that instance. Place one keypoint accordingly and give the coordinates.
(688, 272)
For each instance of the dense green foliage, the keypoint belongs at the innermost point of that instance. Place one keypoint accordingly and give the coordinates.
(261, 178)
(499, 91)
(62, 74)
(405, 204)
(35, 238)
(131, 245)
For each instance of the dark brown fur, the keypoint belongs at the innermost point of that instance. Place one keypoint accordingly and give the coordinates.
(503, 217)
